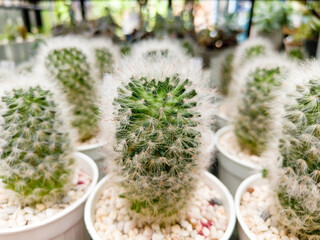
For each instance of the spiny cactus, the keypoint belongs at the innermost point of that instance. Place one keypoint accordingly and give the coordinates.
(106, 54)
(154, 47)
(70, 66)
(35, 156)
(223, 70)
(251, 48)
(298, 178)
(161, 136)
(254, 121)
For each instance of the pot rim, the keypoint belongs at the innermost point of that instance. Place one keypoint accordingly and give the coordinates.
(218, 134)
(101, 185)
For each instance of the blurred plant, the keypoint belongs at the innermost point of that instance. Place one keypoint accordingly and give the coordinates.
(70, 67)
(223, 35)
(296, 53)
(271, 15)
(10, 30)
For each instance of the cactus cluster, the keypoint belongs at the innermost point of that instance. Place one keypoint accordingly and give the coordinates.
(35, 151)
(71, 68)
(254, 121)
(298, 177)
(159, 134)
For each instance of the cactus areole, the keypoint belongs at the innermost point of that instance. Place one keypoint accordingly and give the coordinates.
(35, 152)
(159, 144)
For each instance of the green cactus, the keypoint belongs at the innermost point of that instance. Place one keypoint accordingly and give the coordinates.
(71, 68)
(35, 151)
(299, 178)
(253, 122)
(159, 156)
(255, 51)
(296, 54)
(160, 52)
(104, 61)
(226, 71)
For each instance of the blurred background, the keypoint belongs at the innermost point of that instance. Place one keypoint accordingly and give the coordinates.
(210, 25)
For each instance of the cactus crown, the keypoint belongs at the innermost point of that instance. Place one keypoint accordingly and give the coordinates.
(35, 151)
(71, 68)
(226, 70)
(253, 123)
(255, 51)
(298, 184)
(250, 49)
(158, 48)
(104, 60)
(157, 127)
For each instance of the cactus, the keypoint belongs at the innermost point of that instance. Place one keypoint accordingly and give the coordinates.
(254, 121)
(298, 178)
(106, 54)
(160, 133)
(251, 48)
(225, 68)
(296, 54)
(69, 65)
(154, 47)
(35, 151)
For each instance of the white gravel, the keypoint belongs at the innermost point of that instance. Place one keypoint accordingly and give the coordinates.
(13, 215)
(229, 143)
(113, 219)
(260, 216)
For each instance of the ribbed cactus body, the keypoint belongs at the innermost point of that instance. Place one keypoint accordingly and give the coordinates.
(253, 122)
(71, 68)
(159, 145)
(104, 60)
(35, 151)
(299, 180)
(225, 73)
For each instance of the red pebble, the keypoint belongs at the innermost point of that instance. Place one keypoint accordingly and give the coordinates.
(207, 225)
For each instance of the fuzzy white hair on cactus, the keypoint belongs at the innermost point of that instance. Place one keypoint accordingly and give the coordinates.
(295, 178)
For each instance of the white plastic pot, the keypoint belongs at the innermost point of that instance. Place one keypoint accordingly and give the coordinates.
(65, 225)
(254, 180)
(211, 181)
(96, 153)
(232, 171)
